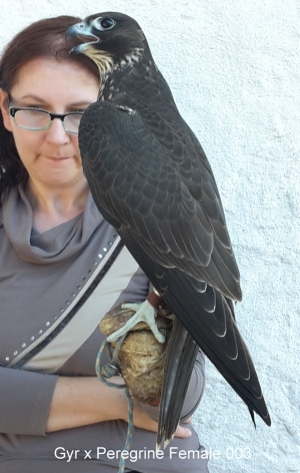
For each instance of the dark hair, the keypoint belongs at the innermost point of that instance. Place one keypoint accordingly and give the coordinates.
(44, 38)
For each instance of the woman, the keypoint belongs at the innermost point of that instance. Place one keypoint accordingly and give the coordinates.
(62, 267)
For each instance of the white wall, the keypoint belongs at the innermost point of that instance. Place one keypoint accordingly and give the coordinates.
(234, 69)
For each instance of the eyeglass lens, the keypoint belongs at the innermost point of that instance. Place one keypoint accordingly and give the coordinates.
(40, 119)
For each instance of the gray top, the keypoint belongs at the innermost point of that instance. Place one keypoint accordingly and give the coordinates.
(54, 289)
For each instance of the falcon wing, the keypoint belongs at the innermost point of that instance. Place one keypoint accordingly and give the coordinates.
(162, 192)
(163, 200)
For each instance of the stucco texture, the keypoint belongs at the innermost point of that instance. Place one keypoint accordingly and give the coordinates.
(234, 70)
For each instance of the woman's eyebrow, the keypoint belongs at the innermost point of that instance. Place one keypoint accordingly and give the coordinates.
(79, 104)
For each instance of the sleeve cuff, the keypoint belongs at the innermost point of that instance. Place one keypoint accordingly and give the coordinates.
(25, 399)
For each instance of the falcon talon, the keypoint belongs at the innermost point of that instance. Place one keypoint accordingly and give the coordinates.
(131, 306)
(144, 312)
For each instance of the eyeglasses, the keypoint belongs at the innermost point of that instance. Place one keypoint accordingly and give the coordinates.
(37, 119)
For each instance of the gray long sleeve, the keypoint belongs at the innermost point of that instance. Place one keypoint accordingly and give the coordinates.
(25, 399)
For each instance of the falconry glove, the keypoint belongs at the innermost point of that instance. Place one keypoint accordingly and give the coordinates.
(140, 358)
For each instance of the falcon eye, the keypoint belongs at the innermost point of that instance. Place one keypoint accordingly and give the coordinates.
(107, 23)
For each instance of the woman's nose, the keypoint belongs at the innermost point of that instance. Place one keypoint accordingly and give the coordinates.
(56, 133)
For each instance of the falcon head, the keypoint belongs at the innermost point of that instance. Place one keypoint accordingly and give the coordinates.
(112, 40)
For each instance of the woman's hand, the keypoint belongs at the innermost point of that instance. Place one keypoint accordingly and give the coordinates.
(144, 421)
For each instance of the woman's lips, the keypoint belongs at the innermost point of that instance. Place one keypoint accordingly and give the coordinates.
(58, 158)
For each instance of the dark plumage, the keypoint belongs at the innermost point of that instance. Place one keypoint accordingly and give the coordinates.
(150, 179)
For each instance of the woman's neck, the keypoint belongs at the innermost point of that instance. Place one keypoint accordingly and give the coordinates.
(53, 206)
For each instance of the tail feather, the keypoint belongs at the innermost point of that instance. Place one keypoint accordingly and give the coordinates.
(227, 350)
(180, 359)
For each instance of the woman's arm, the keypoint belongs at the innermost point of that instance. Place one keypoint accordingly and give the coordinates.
(35, 403)
(85, 400)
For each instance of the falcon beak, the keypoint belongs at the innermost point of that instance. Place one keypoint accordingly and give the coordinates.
(82, 31)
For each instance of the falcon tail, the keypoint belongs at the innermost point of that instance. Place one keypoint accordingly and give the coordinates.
(217, 335)
(180, 359)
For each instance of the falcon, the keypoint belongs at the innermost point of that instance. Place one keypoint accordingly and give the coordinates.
(151, 180)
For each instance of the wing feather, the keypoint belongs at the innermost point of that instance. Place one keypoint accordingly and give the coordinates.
(150, 178)
(135, 168)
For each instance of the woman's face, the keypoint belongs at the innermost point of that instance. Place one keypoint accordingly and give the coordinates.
(51, 156)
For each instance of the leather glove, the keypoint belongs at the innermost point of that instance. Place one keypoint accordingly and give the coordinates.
(141, 357)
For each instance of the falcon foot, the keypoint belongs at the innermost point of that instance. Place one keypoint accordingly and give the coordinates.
(144, 312)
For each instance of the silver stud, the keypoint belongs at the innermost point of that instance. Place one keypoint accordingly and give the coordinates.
(78, 287)
(110, 243)
(95, 263)
(47, 324)
(100, 256)
(55, 317)
(32, 338)
(15, 353)
(7, 358)
(40, 331)
(23, 345)
(73, 295)
(62, 310)
(105, 250)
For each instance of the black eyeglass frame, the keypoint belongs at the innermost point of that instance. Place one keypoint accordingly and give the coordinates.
(13, 110)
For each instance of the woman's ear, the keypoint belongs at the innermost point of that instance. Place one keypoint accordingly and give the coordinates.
(4, 109)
